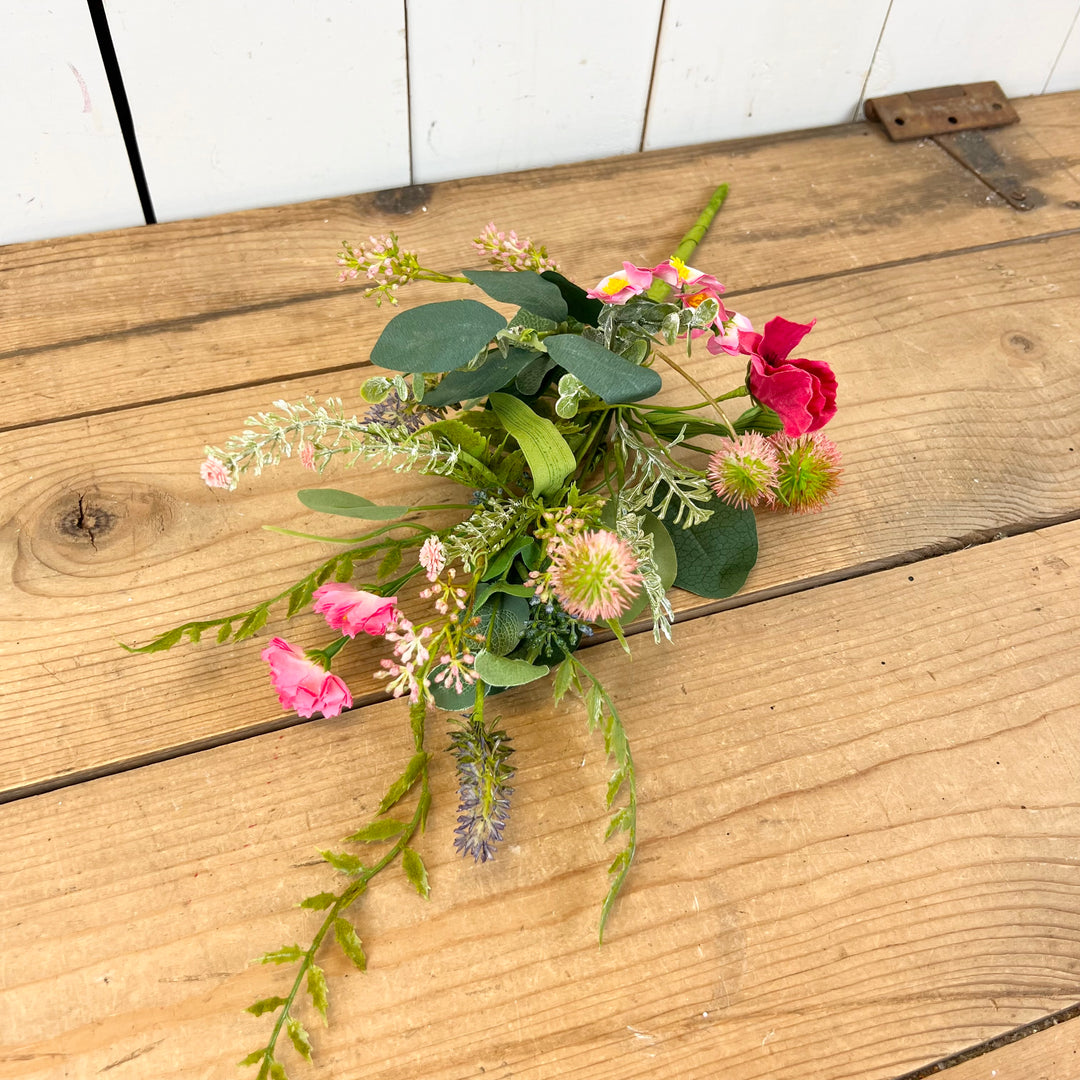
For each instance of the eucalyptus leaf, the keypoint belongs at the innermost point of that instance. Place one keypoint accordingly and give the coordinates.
(525, 288)
(586, 309)
(532, 377)
(549, 456)
(446, 697)
(493, 374)
(436, 337)
(501, 671)
(715, 557)
(346, 504)
(605, 373)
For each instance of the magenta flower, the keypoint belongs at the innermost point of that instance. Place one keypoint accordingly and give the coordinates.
(801, 392)
(594, 576)
(303, 685)
(353, 611)
(618, 288)
(743, 471)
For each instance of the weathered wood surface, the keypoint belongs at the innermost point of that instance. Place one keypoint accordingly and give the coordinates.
(1052, 1054)
(859, 853)
(960, 381)
(252, 297)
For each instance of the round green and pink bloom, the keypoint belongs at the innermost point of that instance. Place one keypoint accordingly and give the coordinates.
(594, 576)
(808, 472)
(743, 471)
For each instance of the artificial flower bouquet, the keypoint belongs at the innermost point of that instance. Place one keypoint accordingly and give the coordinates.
(584, 505)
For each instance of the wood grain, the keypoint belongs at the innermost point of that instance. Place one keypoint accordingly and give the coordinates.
(1052, 1054)
(967, 429)
(808, 205)
(859, 831)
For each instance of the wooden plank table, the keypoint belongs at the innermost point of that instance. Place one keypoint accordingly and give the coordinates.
(860, 791)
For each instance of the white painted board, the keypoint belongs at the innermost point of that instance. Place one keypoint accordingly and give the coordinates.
(63, 165)
(498, 87)
(732, 69)
(245, 103)
(930, 43)
(1066, 72)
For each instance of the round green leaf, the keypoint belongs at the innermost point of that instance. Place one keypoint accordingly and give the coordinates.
(501, 671)
(715, 557)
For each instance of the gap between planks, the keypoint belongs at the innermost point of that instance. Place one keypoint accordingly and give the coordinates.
(713, 607)
(189, 321)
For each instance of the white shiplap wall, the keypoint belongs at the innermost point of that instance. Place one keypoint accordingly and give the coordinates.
(242, 103)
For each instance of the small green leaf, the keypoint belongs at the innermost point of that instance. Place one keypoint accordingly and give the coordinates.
(549, 456)
(344, 861)
(390, 562)
(270, 1004)
(319, 902)
(586, 309)
(346, 504)
(415, 871)
(759, 418)
(503, 618)
(493, 374)
(253, 1058)
(223, 633)
(299, 1037)
(462, 435)
(316, 987)
(438, 337)
(446, 697)
(531, 321)
(524, 288)
(383, 829)
(501, 671)
(287, 954)
(716, 556)
(405, 781)
(277, 1071)
(564, 675)
(605, 373)
(350, 943)
(532, 377)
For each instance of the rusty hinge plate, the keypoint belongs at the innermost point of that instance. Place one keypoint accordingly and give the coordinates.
(953, 117)
(942, 110)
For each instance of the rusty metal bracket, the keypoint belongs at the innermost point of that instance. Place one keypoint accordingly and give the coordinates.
(954, 117)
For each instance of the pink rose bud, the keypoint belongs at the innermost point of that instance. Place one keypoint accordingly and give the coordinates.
(353, 611)
(301, 684)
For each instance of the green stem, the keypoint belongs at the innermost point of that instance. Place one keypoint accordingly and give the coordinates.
(700, 389)
(660, 290)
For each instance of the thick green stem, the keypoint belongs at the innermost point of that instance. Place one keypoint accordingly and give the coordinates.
(660, 290)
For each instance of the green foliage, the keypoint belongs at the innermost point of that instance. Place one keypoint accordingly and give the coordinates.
(716, 555)
(502, 671)
(346, 504)
(609, 376)
(494, 373)
(299, 1037)
(416, 768)
(582, 307)
(433, 338)
(503, 618)
(343, 861)
(549, 456)
(270, 1004)
(525, 288)
(316, 988)
(319, 902)
(416, 872)
(759, 418)
(380, 829)
(346, 936)
(287, 954)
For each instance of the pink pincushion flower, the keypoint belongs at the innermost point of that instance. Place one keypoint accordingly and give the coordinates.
(214, 473)
(353, 611)
(303, 685)
(595, 576)
(618, 288)
(743, 471)
(808, 473)
(801, 392)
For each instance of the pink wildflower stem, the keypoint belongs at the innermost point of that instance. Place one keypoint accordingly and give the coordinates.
(660, 290)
